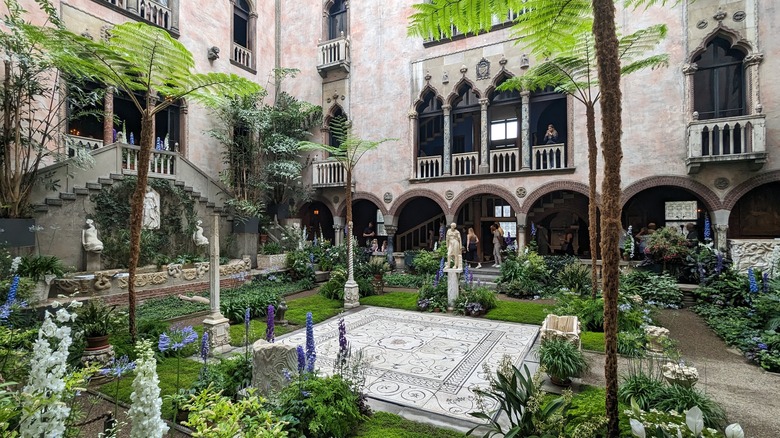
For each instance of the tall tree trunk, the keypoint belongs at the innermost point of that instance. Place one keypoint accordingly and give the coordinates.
(608, 62)
(590, 117)
(137, 209)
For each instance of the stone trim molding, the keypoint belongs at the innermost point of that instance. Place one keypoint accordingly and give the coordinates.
(555, 186)
(409, 195)
(485, 189)
(742, 189)
(710, 199)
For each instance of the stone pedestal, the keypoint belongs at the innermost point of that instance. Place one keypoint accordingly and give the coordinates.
(92, 261)
(269, 363)
(351, 294)
(452, 286)
(100, 357)
(218, 328)
(656, 338)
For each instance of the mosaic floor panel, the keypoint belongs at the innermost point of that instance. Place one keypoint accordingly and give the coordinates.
(427, 361)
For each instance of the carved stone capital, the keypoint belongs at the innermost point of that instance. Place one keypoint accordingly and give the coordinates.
(754, 58)
(446, 108)
(391, 230)
(690, 69)
(412, 114)
(483, 103)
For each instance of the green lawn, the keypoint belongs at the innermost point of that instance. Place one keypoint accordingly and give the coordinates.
(520, 311)
(396, 300)
(384, 425)
(593, 341)
(256, 331)
(320, 307)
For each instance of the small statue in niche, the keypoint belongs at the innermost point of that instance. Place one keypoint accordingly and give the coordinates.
(151, 219)
(198, 237)
(89, 238)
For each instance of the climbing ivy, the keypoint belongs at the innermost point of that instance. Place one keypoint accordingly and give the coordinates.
(112, 219)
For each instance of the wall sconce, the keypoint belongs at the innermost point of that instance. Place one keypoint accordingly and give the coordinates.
(316, 212)
(213, 53)
(524, 62)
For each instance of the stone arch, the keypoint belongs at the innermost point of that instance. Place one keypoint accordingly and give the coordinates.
(482, 189)
(428, 87)
(402, 200)
(709, 197)
(454, 94)
(729, 34)
(741, 190)
(500, 77)
(555, 186)
(342, 208)
(332, 112)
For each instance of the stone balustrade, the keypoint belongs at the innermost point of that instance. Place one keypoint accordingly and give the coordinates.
(548, 156)
(334, 51)
(504, 160)
(78, 142)
(429, 167)
(157, 12)
(741, 138)
(465, 164)
(241, 55)
(162, 164)
(328, 174)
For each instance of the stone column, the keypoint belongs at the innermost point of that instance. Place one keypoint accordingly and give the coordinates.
(751, 69)
(252, 38)
(108, 117)
(390, 229)
(720, 224)
(174, 15)
(447, 154)
(414, 141)
(689, 70)
(338, 227)
(520, 219)
(525, 138)
(483, 138)
(351, 289)
(183, 115)
(452, 287)
(217, 326)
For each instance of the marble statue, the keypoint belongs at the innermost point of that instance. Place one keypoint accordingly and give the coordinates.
(89, 238)
(151, 209)
(198, 237)
(454, 249)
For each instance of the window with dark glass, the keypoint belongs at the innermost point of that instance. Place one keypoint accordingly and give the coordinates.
(503, 114)
(337, 19)
(430, 127)
(241, 23)
(465, 121)
(719, 81)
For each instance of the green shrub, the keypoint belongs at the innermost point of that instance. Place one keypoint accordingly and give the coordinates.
(587, 406)
(589, 311)
(643, 384)
(234, 308)
(680, 398)
(270, 248)
(562, 359)
(631, 344)
(427, 262)
(575, 277)
(403, 280)
(655, 290)
(324, 406)
(36, 267)
(522, 275)
(301, 266)
(557, 263)
(228, 376)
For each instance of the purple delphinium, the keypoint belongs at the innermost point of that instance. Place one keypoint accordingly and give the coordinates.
(311, 354)
(204, 347)
(5, 309)
(533, 229)
(765, 282)
(269, 329)
(719, 263)
(301, 360)
(343, 344)
(132, 138)
(468, 276)
(439, 273)
(707, 228)
(752, 280)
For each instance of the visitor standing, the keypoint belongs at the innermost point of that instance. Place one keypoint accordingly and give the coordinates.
(471, 248)
(551, 136)
(497, 239)
(568, 244)
(369, 232)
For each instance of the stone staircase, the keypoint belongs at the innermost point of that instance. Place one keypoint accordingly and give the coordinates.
(111, 164)
(487, 275)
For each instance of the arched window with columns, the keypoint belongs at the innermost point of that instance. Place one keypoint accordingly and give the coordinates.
(719, 81)
(244, 38)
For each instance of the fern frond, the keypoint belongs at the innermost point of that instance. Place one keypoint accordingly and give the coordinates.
(440, 18)
(551, 26)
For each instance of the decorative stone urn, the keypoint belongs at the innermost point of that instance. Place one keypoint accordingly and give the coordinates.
(656, 338)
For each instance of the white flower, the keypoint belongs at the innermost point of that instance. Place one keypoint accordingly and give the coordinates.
(637, 428)
(15, 264)
(145, 411)
(695, 420)
(63, 315)
(734, 431)
(76, 304)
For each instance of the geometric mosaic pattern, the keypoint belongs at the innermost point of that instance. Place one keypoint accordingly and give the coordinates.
(428, 361)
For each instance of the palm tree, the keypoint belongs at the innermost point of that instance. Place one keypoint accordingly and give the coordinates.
(139, 59)
(348, 152)
(573, 72)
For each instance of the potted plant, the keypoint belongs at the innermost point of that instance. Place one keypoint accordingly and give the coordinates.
(96, 320)
(474, 309)
(42, 270)
(271, 257)
(562, 360)
(377, 268)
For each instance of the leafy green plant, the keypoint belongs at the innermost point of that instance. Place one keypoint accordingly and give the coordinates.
(37, 267)
(427, 262)
(590, 312)
(300, 264)
(575, 277)
(399, 279)
(216, 416)
(270, 248)
(655, 290)
(680, 398)
(96, 318)
(377, 267)
(562, 359)
(325, 406)
(631, 344)
(643, 383)
(666, 247)
(517, 396)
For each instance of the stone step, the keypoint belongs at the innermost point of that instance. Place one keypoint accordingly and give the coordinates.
(187, 189)
(81, 191)
(321, 276)
(212, 205)
(53, 201)
(117, 176)
(94, 186)
(40, 208)
(68, 196)
(195, 194)
(106, 181)
(178, 183)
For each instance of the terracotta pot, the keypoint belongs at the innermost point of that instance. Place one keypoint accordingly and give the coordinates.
(436, 310)
(97, 342)
(558, 382)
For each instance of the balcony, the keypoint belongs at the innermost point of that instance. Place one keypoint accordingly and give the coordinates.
(157, 12)
(328, 174)
(549, 157)
(334, 56)
(241, 56)
(162, 164)
(727, 140)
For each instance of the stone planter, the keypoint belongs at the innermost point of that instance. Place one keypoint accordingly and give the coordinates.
(275, 262)
(95, 343)
(42, 287)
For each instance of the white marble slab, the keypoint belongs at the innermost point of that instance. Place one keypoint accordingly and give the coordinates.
(427, 361)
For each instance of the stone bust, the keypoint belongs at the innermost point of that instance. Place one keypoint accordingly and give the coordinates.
(89, 238)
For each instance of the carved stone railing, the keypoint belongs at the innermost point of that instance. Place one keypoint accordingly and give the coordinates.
(157, 12)
(162, 164)
(504, 160)
(78, 142)
(465, 164)
(741, 138)
(333, 54)
(548, 156)
(429, 167)
(241, 55)
(328, 174)
(753, 253)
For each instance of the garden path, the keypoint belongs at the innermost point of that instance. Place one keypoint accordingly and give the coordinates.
(747, 393)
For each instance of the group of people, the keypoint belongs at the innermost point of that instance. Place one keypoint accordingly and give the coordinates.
(497, 236)
(371, 241)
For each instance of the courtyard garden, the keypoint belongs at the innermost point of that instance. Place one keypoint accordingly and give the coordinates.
(171, 374)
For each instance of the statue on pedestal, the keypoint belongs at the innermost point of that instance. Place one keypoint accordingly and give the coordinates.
(198, 237)
(454, 249)
(89, 238)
